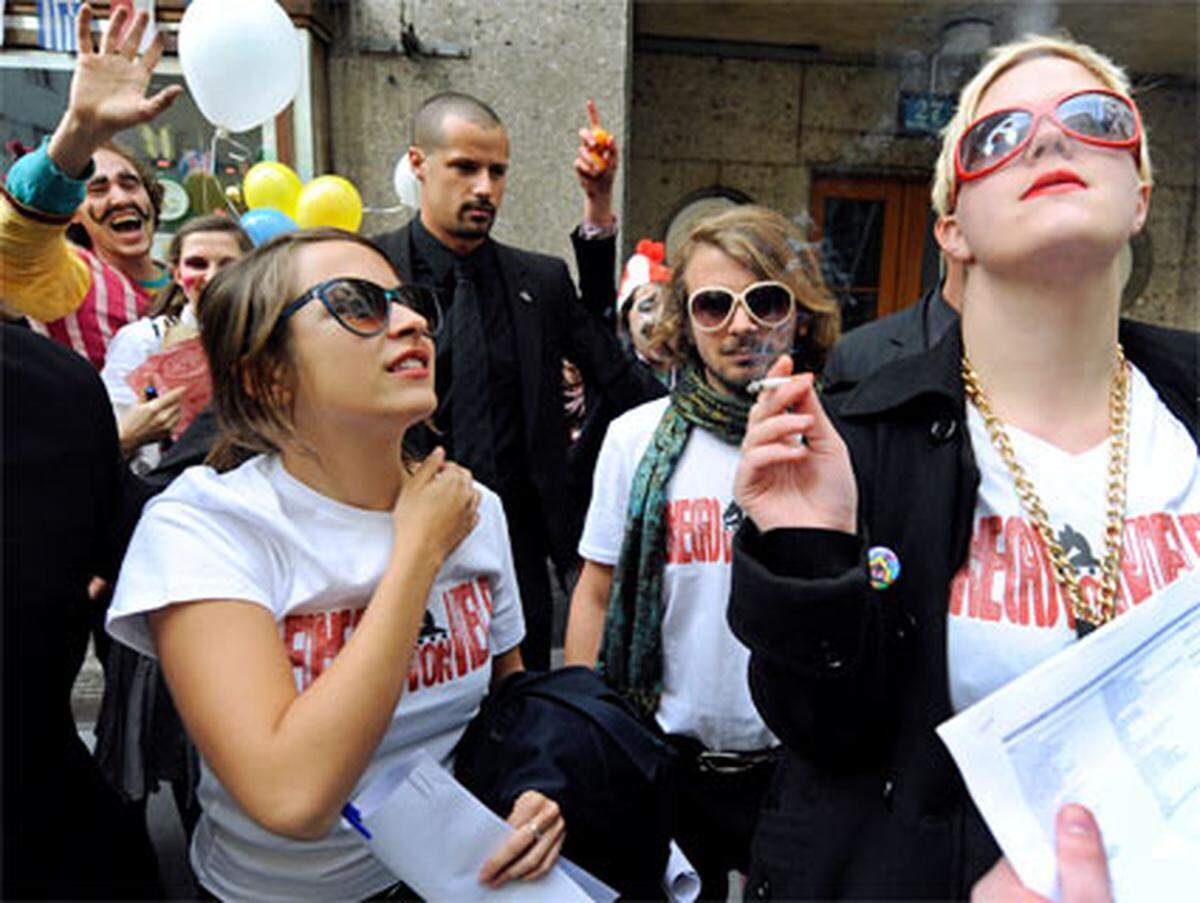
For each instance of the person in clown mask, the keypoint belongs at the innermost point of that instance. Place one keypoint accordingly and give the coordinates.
(642, 282)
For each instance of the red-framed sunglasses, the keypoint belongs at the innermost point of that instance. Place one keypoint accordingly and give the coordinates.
(1094, 116)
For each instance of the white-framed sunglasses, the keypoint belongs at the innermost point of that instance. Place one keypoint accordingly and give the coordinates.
(769, 304)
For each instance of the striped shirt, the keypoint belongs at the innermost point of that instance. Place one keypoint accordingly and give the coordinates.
(66, 292)
(112, 300)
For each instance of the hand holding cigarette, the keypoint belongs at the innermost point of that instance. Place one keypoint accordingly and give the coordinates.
(767, 382)
(783, 483)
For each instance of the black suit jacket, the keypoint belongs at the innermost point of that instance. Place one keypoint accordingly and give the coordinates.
(550, 324)
(862, 351)
(596, 260)
(69, 506)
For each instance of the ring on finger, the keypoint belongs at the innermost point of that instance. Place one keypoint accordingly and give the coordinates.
(534, 830)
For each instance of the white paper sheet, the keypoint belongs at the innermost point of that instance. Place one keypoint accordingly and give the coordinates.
(435, 836)
(681, 883)
(1112, 723)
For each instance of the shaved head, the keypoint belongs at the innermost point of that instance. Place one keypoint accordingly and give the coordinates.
(429, 122)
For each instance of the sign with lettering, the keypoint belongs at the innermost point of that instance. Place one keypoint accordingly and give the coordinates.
(925, 112)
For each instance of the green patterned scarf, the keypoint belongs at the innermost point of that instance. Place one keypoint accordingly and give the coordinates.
(631, 654)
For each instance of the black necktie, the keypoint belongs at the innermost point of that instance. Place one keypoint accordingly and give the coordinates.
(470, 401)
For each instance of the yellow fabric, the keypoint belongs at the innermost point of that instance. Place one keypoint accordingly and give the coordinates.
(41, 275)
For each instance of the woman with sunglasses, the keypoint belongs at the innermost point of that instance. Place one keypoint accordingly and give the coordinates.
(967, 512)
(322, 604)
(649, 607)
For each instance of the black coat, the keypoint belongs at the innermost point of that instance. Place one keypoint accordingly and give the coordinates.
(550, 324)
(572, 737)
(862, 351)
(596, 261)
(869, 803)
(69, 506)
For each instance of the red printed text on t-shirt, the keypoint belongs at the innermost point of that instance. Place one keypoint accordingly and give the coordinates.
(1008, 577)
(444, 652)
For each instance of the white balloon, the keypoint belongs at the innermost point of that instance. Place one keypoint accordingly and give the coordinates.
(408, 189)
(240, 59)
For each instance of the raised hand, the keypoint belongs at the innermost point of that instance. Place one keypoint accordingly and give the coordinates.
(595, 166)
(108, 88)
(533, 848)
(783, 482)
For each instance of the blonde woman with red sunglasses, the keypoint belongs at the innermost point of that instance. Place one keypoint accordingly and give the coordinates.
(967, 512)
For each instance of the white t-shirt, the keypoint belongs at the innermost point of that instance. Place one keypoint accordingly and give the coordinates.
(705, 692)
(128, 350)
(256, 533)
(1007, 613)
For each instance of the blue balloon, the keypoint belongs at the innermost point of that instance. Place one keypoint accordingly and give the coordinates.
(264, 223)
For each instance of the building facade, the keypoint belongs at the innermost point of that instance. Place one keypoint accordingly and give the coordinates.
(826, 111)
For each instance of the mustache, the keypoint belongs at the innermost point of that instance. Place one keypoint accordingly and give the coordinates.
(749, 345)
(123, 208)
(482, 206)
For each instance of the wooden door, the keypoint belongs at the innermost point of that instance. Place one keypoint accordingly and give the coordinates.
(873, 236)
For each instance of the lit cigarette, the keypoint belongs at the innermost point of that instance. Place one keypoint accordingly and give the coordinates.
(767, 382)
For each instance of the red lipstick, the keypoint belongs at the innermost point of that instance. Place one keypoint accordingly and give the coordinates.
(1053, 182)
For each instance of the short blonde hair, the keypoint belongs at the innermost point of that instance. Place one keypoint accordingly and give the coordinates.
(1000, 60)
(772, 248)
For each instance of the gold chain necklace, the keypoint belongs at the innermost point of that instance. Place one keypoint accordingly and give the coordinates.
(1102, 609)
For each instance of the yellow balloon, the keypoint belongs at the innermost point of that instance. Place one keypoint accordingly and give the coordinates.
(330, 201)
(271, 184)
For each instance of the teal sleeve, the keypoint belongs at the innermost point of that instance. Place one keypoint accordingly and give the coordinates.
(36, 183)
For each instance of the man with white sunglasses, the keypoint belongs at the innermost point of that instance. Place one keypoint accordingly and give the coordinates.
(649, 608)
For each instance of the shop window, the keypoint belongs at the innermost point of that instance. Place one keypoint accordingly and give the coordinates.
(177, 145)
(874, 240)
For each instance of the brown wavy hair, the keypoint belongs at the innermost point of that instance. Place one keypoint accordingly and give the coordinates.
(249, 349)
(772, 248)
(171, 300)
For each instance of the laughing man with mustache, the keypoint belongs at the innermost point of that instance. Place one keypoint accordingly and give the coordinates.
(77, 295)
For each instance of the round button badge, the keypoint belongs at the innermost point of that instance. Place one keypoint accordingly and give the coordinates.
(883, 565)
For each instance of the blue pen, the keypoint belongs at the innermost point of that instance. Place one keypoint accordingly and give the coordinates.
(351, 814)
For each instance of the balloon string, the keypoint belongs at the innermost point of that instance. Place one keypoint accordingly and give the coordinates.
(220, 134)
(212, 169)
(239, 151)
(212, 152)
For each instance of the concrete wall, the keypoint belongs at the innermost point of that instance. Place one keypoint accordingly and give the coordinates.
(762, 127)
(1172, 296)
(536, 62)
